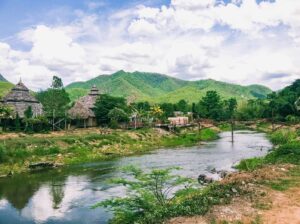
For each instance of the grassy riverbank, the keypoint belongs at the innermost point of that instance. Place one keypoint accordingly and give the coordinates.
(242, 197)
(17, 152)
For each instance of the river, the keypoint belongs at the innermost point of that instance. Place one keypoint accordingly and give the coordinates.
(66, 195)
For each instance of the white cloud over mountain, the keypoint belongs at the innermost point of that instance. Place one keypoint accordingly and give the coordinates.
(243, 42)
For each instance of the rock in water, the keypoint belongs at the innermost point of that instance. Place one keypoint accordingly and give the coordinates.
(203, 179)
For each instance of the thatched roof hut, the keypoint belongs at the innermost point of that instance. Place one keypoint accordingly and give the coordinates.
(20, 99)
(83, 108)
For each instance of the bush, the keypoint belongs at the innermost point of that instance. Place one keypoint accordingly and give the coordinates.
(283, 136)
(150, 199)
(3, 154)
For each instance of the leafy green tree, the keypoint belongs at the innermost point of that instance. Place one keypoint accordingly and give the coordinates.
(6, 113)
(17, 123)
(168, 109)
(55, 100)
(104, 104)
(150, 194)
(182, 106)
(28, 112)
(118, 115)
(230, 107)
(210, 106)
(57, 83)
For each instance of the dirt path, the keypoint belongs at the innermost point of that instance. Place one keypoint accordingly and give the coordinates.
(268, 206)
(285, 208)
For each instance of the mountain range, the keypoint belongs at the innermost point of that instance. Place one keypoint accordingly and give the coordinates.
(5, 86)
(157, 88)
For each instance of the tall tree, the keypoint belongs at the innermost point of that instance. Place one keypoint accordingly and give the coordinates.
(210, 106)
(104, 104)
(55, 100)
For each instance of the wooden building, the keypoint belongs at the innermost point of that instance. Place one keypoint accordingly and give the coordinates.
(83, 108)
(20, 99)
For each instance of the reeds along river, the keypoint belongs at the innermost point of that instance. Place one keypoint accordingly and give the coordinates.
(66, 195)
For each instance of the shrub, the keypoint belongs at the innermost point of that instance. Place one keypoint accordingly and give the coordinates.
(282, 137)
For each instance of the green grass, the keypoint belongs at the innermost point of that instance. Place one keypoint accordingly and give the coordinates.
(287, 151)
(283, 184)
(190, 138)
(5, 88)
(70, 149)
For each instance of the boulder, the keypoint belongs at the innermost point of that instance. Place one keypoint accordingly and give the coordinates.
(203, 179)
(223, 173)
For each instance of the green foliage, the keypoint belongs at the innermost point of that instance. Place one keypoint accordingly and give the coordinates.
(279, 106)
(210, 106)
(288, 151)
(190, 138)
(28, 112)
(152, 197)
(55, 100)
(106, 104)
(118, 115)
(157, 88)
(282, 137)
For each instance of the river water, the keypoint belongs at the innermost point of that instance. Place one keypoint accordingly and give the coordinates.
(66, 195)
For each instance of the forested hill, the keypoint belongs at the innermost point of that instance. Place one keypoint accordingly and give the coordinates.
(2, 79)
(161, 88)
(5, 86)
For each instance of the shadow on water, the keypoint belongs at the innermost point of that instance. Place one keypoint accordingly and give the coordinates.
(65, 195)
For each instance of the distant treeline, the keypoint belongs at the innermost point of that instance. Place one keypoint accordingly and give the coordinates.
(112, 111)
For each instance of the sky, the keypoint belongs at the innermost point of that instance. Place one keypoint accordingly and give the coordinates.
(239, 41)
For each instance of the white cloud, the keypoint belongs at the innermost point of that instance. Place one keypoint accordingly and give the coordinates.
(242, 42)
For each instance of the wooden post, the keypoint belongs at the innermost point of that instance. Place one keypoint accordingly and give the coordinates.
(232, 130)
(53, 120)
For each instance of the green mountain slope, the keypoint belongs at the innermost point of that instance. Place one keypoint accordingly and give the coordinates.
(161, 88)
(2, 79)
(5, 86)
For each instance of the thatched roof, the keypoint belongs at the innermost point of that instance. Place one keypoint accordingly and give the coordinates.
(20, 99)
(83, 108)
(20, 93)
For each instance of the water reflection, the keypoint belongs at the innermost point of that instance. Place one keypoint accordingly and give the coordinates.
(66, 195)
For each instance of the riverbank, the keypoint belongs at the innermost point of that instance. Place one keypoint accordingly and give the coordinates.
(269, 187)
(19, 151)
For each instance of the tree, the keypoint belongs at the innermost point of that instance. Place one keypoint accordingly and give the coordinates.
(55, 100)
(156, 112)
(28, 112)
(210, 106)
(230, 107)
(17, 123)
(6, 113)
(118, 115)
(104, 104)
(182, 106)
(168, 109)
(57, 83)
(148, 193)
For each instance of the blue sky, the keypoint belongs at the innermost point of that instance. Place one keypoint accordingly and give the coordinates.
(17, 14)
(239, 41)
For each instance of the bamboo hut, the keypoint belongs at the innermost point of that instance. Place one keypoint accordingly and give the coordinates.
(83, 108)
(20, 99)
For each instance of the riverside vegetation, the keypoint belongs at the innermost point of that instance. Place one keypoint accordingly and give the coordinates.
(16, 153)
(151, 200)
